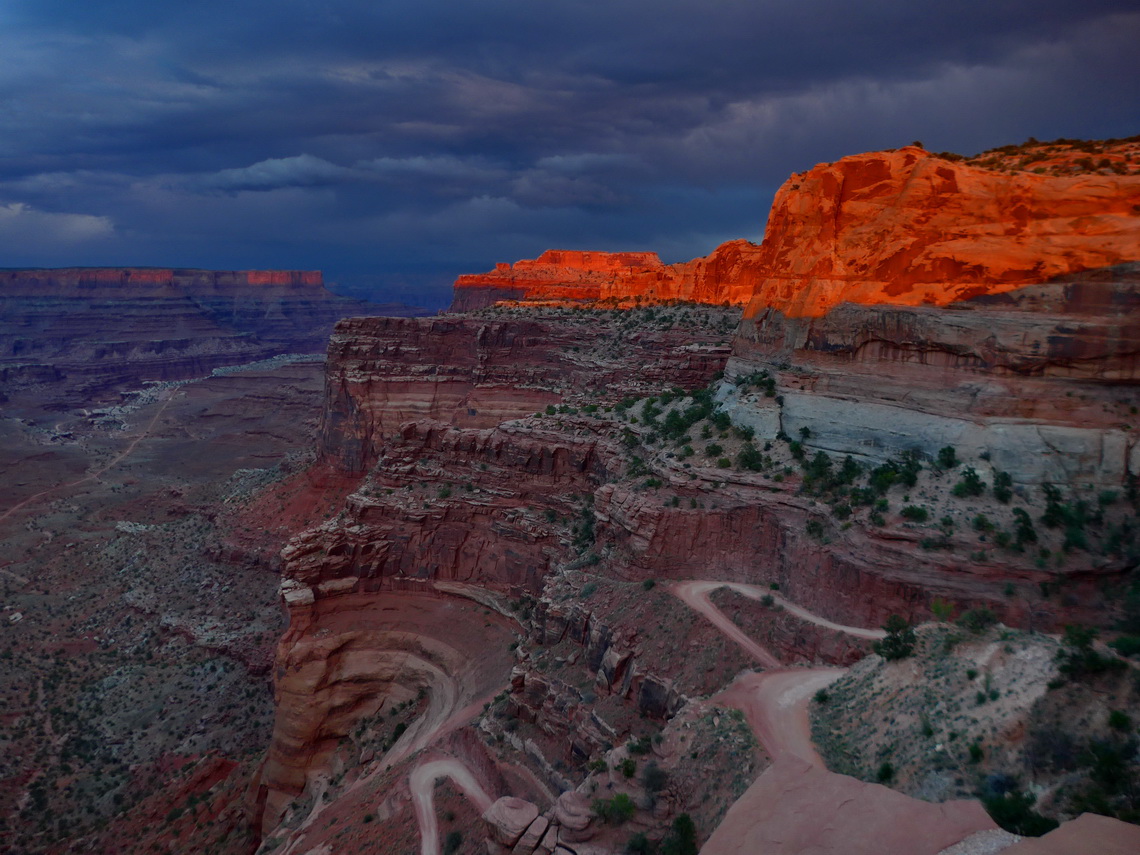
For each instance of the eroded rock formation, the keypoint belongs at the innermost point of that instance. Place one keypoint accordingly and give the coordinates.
(84, 333)
(902, 227)
(476, 372)
(1040, 382)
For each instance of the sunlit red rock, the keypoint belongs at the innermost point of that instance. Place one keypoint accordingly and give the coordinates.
(902, 227)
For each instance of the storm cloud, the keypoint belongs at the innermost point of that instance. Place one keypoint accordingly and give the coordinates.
(396, 144)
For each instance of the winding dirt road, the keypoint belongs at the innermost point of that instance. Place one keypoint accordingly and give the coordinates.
(695, 594)
(422, 784)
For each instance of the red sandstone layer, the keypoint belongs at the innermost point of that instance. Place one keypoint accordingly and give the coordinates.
(33, 281)
(903, 227)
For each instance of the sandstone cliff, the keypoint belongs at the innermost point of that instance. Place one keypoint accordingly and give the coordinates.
(86, 333)
(1039, 382)
(907, 227)
(616, 278)
(902, 227)
(474, 372)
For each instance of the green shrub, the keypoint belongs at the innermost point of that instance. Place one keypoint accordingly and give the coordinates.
(655, 778)
(1126, 645)
(941, 609)
(947, 457)
(628, 767)
(899, 642)
(682, 838)
(750, 458)
(1120, 720)
(914, 513)
(614, 811)
(970, 485)
(1077, 655)
(1003, 487)
(886, 773)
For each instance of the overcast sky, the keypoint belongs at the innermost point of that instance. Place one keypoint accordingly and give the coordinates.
(394, 144)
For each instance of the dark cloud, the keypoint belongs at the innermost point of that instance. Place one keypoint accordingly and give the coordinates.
(401, 142)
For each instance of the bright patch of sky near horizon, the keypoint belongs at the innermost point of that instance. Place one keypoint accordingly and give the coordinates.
(396, 144)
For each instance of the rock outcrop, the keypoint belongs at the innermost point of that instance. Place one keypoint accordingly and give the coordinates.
(86, 333)
(1041, 381)
(473, 372)
(903, 227)
(910, 228)
(614, 278)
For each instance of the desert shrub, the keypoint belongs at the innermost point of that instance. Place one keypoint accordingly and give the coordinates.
(452, 842)
(750, 458)
(899, 642)
(970, 485)
(682, 837)
(640, 746)
(1119, 720)
(1077, 655)
(941, 609)
(977, 620)
(1014, 812)
(885, 773)
(639, 844)
(614, 811)
(947, 457)
(1024, 532)
(1003, 487)
(655, 778)
(628, 767)
(914, 513)
(1126, 645)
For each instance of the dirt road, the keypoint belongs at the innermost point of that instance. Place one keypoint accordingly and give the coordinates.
(91, 476)
(422, 784)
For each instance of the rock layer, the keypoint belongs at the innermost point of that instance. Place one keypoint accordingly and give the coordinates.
(473, 372)
(1040, 381)
(902, 227)
(86, 333)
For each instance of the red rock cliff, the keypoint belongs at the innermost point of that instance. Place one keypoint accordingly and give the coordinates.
(562, 276)
(910, 228)
(903, 227)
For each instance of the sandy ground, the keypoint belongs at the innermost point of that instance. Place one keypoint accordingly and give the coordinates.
(91, 476)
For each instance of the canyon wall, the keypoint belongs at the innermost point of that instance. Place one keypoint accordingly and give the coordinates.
(86, 333)
(472, 372)
(1040, 382)
(901, 227)
(901, 302)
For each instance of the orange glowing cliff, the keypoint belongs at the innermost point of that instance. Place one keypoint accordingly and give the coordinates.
(906, 227)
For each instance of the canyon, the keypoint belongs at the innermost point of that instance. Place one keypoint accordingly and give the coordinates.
(567, 569)
(79, 335)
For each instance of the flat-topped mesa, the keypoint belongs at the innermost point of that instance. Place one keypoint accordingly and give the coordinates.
(81, 334)
(911, 228)
(84, 280)
(621, 278)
